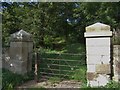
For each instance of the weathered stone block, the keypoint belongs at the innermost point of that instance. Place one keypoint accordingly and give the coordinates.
(97, 27)
(103, 41)
(103, 69)
(90, 68)
(15, 50)
(92, 60)
(98, 50)
(19, 67)
(98, 34)
(98, 59)
(91, 75)
(101, 80)
(21, 36)
(116, 78)
(116, 62)
(117, 67)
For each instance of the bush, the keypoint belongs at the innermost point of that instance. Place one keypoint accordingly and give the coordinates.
(10, 80)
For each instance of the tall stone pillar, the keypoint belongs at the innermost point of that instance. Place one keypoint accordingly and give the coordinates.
(21, 47)
(116, 62)
(98, 53)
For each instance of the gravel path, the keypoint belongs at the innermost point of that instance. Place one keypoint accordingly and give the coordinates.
(47, 84)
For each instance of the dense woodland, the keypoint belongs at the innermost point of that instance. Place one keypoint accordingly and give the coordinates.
(54, 25)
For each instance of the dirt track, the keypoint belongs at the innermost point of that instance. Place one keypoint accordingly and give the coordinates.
(47, 84)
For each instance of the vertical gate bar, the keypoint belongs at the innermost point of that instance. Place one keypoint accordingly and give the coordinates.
(59, 68)
(36, 67)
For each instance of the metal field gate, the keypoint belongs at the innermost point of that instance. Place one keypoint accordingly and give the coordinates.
(62, 65)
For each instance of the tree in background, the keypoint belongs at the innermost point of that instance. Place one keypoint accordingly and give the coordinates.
(53, 24)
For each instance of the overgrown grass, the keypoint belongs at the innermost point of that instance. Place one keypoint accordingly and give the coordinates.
(10, 80)
(111, 84)
(69, 48)
(80, 74)
(54, 80)
(75, 48)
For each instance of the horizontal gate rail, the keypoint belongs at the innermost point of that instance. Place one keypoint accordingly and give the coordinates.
(57, 70)
(59, 59)
(54, 74)
(61, 65)
(65, 53)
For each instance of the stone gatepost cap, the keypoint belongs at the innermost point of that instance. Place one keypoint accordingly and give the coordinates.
(98, 30)
(21, 36)
(97, 27)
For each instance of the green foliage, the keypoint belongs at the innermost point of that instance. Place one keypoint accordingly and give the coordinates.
(54, 24)
(10, 80)
(84, 85)
(45, 21)
(116, 38)
(80, 74)
(74, 48)
(113, 84)
(54, 80)
(116, 41)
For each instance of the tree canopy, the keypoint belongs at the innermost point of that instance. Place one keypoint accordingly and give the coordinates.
(54, 23)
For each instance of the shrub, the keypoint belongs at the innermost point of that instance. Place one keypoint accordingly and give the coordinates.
(10, 80)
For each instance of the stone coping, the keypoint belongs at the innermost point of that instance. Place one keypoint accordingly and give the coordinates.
(98, 27)
(98, 34)
(21, 36)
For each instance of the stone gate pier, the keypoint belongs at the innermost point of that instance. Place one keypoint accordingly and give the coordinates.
(98, 51)
(19, 54)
